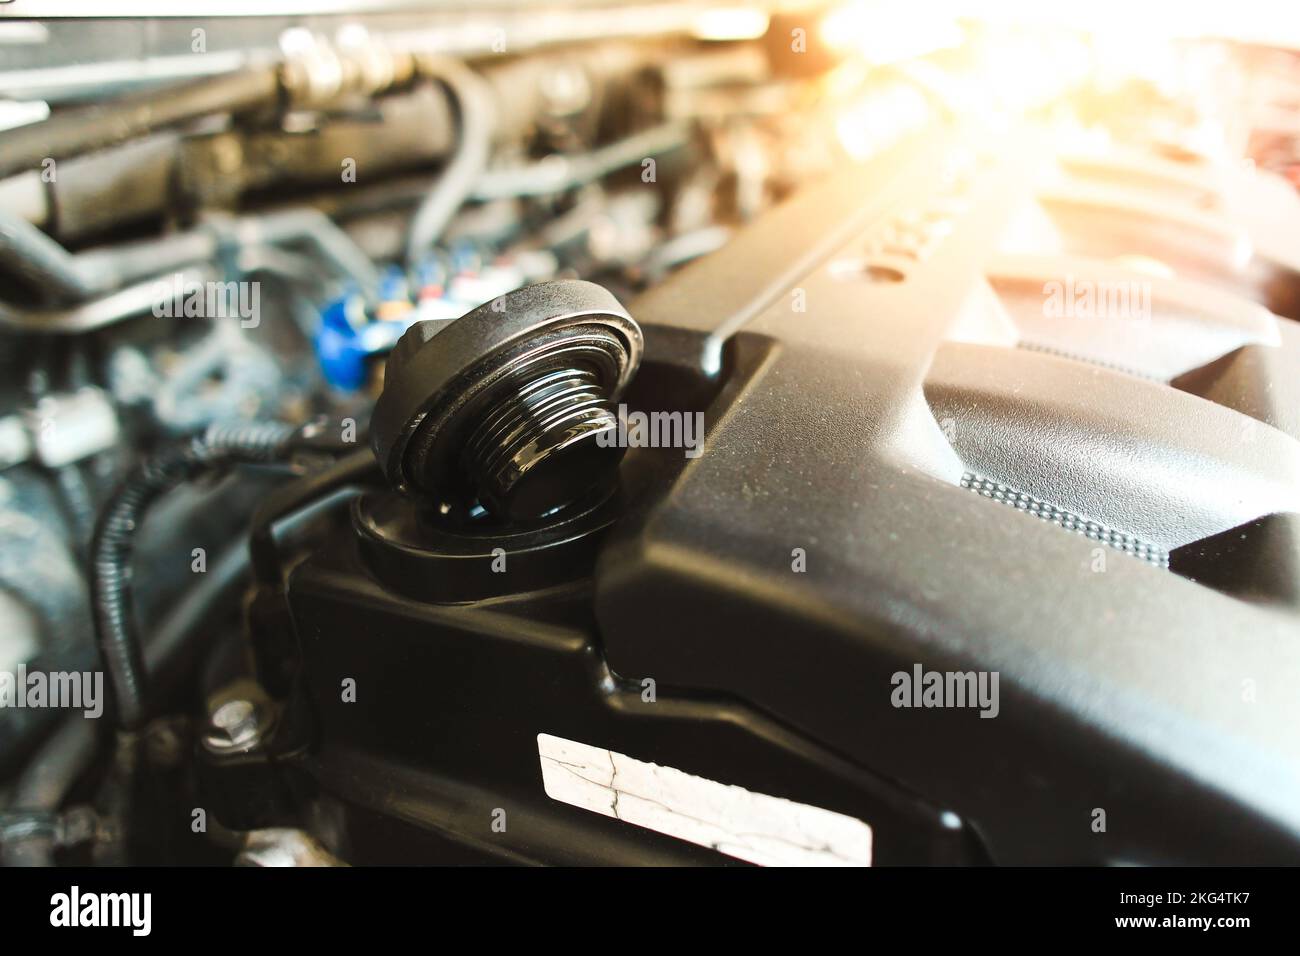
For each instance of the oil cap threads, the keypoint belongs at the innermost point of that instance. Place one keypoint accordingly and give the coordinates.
(506, 406)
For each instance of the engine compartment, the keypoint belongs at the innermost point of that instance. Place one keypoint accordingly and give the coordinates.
(457, 438)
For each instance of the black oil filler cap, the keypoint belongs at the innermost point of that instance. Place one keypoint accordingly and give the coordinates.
(507, 405)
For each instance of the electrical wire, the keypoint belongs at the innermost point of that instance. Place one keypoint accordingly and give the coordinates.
(114, 545)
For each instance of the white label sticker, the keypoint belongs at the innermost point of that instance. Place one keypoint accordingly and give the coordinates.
(769, 831)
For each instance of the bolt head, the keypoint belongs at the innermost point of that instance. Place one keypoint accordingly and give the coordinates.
(235, 725)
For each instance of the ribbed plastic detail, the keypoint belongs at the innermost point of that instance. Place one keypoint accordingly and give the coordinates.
(1066, 519)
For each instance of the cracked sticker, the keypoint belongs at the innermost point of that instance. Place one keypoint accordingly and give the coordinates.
(754, 827)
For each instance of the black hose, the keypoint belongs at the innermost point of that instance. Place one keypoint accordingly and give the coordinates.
(41, 262)
(114, 545)
(476, 114)
(75, 131)
(37, 259)
(42, 787)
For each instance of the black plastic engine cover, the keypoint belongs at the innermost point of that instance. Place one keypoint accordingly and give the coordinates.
(862, 380)
(857, 397)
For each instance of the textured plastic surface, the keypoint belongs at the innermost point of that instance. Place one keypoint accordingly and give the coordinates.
(848, 410)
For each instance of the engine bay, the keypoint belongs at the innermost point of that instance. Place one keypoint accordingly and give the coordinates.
(592, 434)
